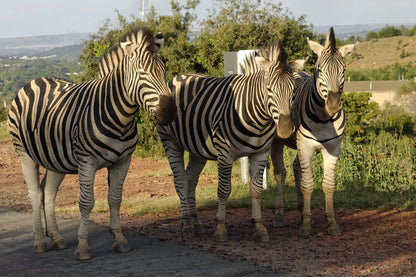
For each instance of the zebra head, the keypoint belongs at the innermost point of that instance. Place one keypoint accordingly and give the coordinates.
(329, 71)
(145, 75)
(280, 85)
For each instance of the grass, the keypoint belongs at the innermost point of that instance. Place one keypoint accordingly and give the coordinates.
(382, 52)
(4, 132)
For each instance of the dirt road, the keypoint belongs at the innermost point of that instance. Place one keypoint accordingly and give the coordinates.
(149, 257)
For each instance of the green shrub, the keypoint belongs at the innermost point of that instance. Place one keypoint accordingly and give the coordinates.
(149, 144)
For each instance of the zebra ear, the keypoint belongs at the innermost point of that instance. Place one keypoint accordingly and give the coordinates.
(299, 65)
(315, 47)
(263, 63)
(347, 49)
(127, 47)
(159, 41)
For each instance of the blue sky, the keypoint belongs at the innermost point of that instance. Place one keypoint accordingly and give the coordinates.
(42, 17)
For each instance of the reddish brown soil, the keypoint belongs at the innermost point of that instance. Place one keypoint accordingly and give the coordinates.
(373, 243)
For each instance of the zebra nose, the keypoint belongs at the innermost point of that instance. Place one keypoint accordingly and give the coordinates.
(166, 112)
(285, 126)
(333, 102)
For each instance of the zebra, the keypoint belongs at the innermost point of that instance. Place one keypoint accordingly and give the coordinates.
(71, 128)
(223, 119)
(320, 122)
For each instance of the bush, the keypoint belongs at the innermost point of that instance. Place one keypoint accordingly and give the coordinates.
(149, 144)
(385, 164)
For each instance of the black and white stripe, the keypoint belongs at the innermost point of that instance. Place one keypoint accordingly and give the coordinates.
(80, 128)
(320, 121)
(223, 119)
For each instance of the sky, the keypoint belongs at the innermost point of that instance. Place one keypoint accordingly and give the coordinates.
(19, 18)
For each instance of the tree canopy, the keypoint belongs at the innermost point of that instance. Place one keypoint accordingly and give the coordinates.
(231, 26)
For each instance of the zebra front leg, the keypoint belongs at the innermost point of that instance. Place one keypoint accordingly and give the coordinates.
(280, 177)
(51, 183)
(328, 185)
(307, 186)
(225, 166)
(31, 176)
(116, 176)
(193, 170)
(258, 164)
(86, 174)
(176, 161)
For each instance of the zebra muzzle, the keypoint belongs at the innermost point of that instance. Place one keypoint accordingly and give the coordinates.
(285, 127)
(166, 112)
(333, 102)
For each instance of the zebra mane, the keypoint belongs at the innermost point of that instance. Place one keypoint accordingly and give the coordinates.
(140, 36)
(330, 43)
(273, 52)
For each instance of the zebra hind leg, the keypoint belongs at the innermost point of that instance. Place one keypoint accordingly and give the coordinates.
(31, 176)
(50, 183)
(116, 176)
(86, 174)
(193, 170)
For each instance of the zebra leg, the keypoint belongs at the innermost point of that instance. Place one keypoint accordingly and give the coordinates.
(328, 185)
(116, 175)
(51, 183)
(258, 164)
(175, 156)
(86, 174)
(297, 172)
(307, 186)
(193, 170)
(280, 177)
(31, 176)
(225, 165)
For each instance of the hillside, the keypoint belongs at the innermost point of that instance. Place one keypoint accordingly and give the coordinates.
(379, 53)
(36, 44)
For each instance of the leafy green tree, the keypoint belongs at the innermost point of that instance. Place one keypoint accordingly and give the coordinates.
(360, 115)
(244, 24)
(178, 51)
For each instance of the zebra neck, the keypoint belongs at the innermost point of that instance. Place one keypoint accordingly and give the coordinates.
(254, 101)
(115, 104)
(316, 104)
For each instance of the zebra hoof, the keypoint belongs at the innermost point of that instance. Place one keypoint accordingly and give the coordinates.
(305, 232)
(262, 236)
(220, 234)
(121, 247)
(278, 221)
(334, 231)
(188, 232)
(220, 237)
(40, 247)
(58, 244)
(82, 254)
(198, 229)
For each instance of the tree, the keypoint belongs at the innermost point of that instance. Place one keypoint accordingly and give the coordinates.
(178, 51)
(244, 24)
(360, 115)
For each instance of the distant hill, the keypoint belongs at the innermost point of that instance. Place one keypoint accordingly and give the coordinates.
(36, 44)
(70, 52)
(379, 53)
(357, 30)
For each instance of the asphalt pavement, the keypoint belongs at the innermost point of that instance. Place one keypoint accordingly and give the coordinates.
(148, 256)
